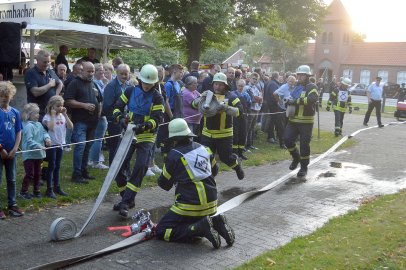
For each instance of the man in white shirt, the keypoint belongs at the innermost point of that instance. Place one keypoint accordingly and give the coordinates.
(374, 94)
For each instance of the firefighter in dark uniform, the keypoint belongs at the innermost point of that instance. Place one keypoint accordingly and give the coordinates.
(145, 110)
(217, 130)
(340, 99)
(304, 98)
(191, 168)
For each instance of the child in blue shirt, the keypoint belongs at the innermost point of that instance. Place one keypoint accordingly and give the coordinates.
(34, 137)
(10, 137)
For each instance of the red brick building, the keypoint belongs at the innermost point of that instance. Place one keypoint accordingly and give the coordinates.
(334, 52)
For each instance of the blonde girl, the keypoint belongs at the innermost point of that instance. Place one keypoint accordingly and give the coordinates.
(34, 137)
(57, 121)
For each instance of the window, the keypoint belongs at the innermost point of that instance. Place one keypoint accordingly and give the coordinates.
(365, 77)
(401, 77)
(346, 38)
(384, 75)
(330, 37)
(347, 73)
(324, 38)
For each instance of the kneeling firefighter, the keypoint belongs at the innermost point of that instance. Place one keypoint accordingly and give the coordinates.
(191, 167)
(304, 97)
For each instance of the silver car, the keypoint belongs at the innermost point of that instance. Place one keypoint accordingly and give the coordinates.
(358, 89)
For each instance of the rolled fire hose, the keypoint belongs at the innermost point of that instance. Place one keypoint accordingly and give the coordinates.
(63, 228)
(228, 205)
(208, 104)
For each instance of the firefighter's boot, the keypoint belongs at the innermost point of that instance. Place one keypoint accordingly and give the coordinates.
(204, 228)
(303, 168)
(240, 172)
(295, 161)
(221, 225)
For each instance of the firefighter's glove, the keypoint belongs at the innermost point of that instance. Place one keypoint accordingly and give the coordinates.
(140, 128)
(232, 111)
(123, 123)
(328, 108)
(223, 107)
(350, 110)
(290, 101)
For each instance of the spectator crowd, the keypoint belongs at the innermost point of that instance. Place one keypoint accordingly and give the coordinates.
(94, 100)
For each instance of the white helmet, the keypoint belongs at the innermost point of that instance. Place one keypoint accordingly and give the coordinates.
(148, 74)
(346, 81)
(220, 77)
(179, 128)
(304, 69)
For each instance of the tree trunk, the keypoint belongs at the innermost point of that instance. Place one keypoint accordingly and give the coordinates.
(194, 36)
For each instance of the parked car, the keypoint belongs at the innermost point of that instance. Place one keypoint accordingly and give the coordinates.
(358, 89)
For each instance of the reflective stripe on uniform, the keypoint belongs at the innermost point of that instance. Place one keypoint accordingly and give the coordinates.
(189, 172)
(132, 187)
(228, 132)
(167, 235)
(194, 207)
(165, 173)
(192, 213)
(158, 108)
(124, 98)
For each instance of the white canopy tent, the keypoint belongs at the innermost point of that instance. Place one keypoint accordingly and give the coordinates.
(76, 35)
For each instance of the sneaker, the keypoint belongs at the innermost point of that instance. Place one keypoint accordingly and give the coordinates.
(86, 175)
(14, 211)
(156, 169)
(243, 157)
(221, 226)
(302, 172)
(79, 179)
(50, 194)
(365, 124)
(381, 126)
(2, 215)
(91, 163)
(294, 164)
(59, 191)
(37, 195)
(67, 149)
(25, 195)
(240, 172)
(101, 166)
(253, 147)
(272, 140)
(149, 172)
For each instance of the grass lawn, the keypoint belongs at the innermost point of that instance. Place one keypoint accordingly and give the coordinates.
(267, 153)
(372, 237)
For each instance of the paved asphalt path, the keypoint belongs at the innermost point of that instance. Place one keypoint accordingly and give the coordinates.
(335, 185)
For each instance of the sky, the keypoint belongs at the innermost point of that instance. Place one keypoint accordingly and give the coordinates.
(379, 20)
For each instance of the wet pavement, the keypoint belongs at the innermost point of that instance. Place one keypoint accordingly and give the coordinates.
(334, 186)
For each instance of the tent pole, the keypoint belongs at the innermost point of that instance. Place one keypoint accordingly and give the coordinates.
(32, 47)
(105, 59)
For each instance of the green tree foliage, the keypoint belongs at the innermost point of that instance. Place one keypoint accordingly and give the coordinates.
(158, 55)
(99, 12)
(193, 26)
(358, 37)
